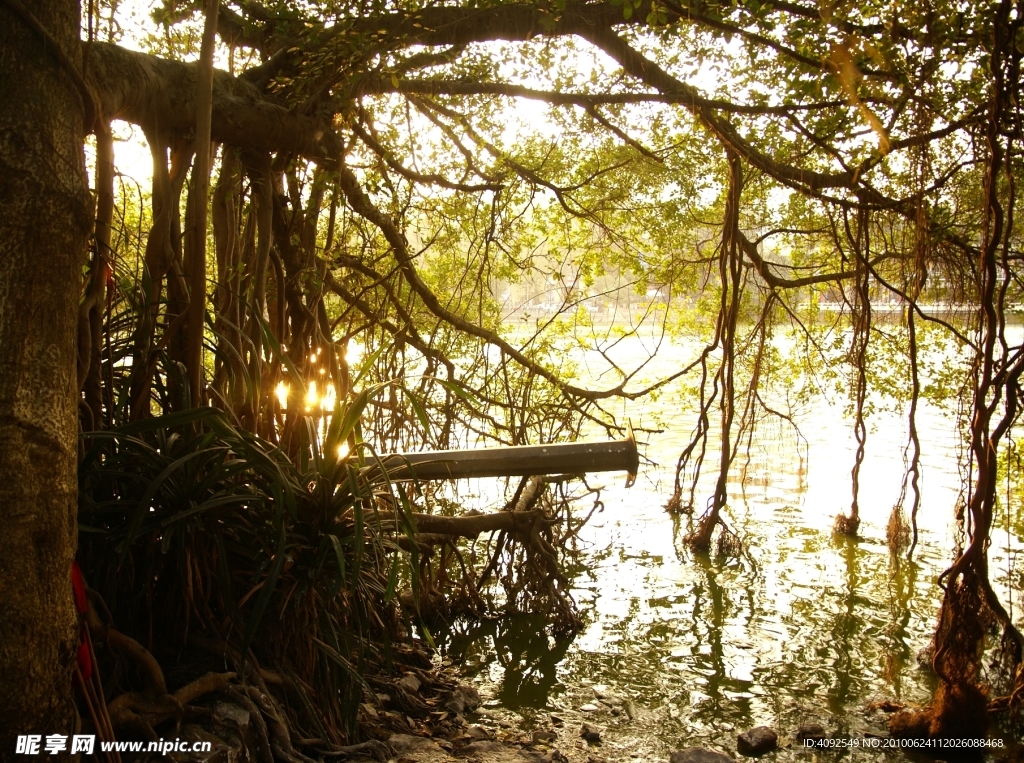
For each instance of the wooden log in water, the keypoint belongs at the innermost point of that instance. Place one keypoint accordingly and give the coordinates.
(517, 461)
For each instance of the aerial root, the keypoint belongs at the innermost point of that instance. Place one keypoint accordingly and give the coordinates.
(729, 543)
(897, 531)
(845, 525)
(957, 712)
(959, 709)
(675, 504)
(700, 538)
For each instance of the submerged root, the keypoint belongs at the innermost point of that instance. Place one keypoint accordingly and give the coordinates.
(958, 712)
(729, 543)
(960, 707)
(700, 538)
(675, 504)
(845, 525)
(897, 532)
(1006, 677)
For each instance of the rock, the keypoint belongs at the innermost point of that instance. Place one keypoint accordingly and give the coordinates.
(810, 731)
(630, 709)
(553, 756)
(757, 741)
(543, 737)
(478, 732)
(589, 708)
(410, 683)
(484, 745)
(925, 656)
(591, 734)
(462, 699)
(227, 711)
(556, 719)
(698, 755)
(403, 743)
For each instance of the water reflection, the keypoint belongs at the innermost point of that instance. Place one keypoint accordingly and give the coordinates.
(902, 585)
(518, 654)
(803, 626)
(726, 683)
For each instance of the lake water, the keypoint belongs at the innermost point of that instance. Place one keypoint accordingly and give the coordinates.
(803, 626)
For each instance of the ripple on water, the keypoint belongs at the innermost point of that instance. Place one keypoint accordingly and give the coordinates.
(804, 626)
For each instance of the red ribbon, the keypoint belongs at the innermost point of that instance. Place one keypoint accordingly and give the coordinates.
(82, 605)
(78, 586)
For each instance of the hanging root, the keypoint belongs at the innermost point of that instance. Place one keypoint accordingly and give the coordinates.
(700, 538)
(531, 541)
(729, 543)
(528, 565)
(845, 525)
(675, 504)
(959, 710)
(897, 532)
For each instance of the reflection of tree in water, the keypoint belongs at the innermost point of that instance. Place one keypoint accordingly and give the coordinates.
(521, 645)
(897, 652)
(712, 611)
(828, 637)
(846, 629)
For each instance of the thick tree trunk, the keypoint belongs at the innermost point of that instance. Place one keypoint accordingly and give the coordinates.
(43, 231)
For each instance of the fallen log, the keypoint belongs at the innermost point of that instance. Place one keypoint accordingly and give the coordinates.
(517, 461)
(435, 526)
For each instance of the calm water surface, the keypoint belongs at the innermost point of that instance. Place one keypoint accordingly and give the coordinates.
(803, 626)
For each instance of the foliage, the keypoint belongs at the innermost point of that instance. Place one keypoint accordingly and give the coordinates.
(192, 527)
(839, 181)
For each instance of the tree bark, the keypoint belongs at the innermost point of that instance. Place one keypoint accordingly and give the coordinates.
(43, 234)
(160, 95)
(197, 197)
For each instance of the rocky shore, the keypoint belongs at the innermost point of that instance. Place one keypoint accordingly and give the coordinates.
(587, 725)
(465, 730)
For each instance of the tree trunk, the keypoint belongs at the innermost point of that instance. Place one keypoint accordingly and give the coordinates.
(43, 234)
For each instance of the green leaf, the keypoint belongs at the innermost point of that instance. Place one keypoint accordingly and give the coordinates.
(266, 593)
(339, 555)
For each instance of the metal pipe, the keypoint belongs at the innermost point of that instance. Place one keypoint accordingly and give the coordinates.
(519, 460)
